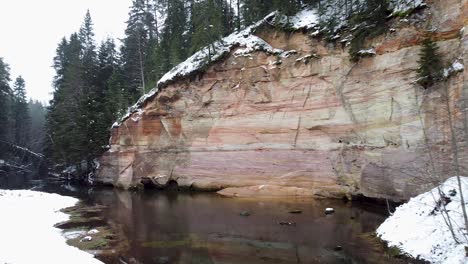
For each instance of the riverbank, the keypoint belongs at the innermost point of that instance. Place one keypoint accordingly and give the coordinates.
(420, 227)
(27, 229)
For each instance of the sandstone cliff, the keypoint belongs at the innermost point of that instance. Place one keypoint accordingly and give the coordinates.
(304, 122)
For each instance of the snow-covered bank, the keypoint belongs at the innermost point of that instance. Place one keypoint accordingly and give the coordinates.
(418, 227)
(27, 232)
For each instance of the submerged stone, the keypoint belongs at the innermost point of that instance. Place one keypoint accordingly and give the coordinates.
(287, 223)
(244, 213)
(338, 248)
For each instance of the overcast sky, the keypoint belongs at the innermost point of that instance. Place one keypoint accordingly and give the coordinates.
(31, 29)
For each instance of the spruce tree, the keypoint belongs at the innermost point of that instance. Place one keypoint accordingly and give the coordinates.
(254, 10)
(83, 88)
(5, 96)
(371, 22)
(88, 56)
(210, 23)
(37, 112)
(64, 111)
(430, 64)
(108, 70)
(135, 49)
(173, 35)
(21, 118)
(287, 7)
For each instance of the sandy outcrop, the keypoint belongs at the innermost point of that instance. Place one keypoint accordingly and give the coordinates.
(305, 123)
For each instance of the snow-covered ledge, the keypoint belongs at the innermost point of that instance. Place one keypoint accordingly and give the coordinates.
(418, 227)
(27, 232)
(245, 40)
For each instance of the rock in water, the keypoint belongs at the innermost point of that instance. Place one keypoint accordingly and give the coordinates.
(287, 223)
(329, 211)
(86, 239)
(295, 212)
(338, 248)
(244, 213)
(93, 232)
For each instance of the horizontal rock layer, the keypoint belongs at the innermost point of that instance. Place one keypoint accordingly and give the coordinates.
(310, 124)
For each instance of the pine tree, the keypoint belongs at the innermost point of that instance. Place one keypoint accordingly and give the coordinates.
(430, 64)
(108, 70)
(91, 119)
(174, 39)
(155, 60)
(21, 118)
(5, 96)
(209, 22)
(83, 96)
(88, 56)
(64, 110)
(254, 10)
(371, 22)
(135, 49)
(37, 112)
(287, 7)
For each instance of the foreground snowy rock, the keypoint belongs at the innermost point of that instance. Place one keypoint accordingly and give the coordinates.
(27, 233)
(418, 227)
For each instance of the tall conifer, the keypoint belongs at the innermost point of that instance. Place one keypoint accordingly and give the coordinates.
(21, 117)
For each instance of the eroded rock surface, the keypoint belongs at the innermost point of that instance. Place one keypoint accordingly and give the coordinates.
(309, 124)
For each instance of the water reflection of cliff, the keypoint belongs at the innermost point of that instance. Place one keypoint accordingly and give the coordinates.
(204, 228)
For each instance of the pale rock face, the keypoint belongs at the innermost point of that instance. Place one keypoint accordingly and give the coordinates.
(314, 125)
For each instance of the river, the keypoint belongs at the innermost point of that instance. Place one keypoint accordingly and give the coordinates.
(167, 227)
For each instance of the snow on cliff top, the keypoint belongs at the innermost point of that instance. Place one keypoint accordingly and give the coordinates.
(27, 232)
(404, 6)
(306, 19)
(418, 228)
(245, 39)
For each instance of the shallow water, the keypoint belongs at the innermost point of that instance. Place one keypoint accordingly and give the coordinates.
(207, 228)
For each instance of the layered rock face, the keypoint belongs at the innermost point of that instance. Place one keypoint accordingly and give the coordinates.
(307, 123)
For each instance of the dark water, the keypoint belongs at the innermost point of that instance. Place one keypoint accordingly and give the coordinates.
(207, 228)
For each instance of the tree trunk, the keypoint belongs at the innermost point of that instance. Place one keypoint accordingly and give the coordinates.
(454, 144)
(142, 67)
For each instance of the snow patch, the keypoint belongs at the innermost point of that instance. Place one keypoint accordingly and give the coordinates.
(137, 116)
(305, 19)
(73, 234)
(27, 229)
(86, 239)
(367, 52)
(456, 67)
(93, 232)
(418, 227)
(288, 53)
(333, 19)
(405, 6)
